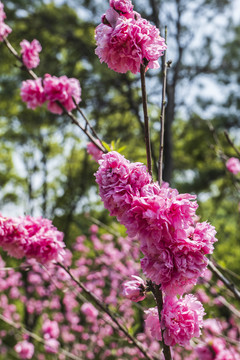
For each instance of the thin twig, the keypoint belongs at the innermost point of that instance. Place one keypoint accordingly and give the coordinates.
(230, 285)
(102, 225)
(146, 119)
(231, 142)
(230, 272)
(22, 329)
(86, 119)
(105, 309)
(162, 116)
(76, 122)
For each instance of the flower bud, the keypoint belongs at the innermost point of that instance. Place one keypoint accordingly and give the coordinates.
(135, 289)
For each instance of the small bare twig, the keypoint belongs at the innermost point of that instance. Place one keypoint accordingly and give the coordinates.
(230, 285)
(231, 142)
(162, 116)
(146, 119)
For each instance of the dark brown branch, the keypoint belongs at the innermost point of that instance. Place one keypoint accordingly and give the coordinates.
(157, 292)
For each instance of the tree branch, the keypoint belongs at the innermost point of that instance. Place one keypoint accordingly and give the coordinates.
(227, 283)
(105, 309)
(146, 119)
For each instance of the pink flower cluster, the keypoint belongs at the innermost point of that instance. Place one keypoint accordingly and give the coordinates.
(233, 165)
(30, 53)
(181, 319)
(31, 238)
(173, 242)
(125, 40)
(174, 246)
(54, 90)
(4, 28)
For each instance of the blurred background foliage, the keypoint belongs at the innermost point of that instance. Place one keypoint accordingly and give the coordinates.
(45, 169)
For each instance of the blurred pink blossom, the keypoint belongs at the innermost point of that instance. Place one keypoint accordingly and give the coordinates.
(24, 349)
(4, 28)
(34, 238)
(233, 165)
(50, 329)
(89, 310)
(94, 151)
(152, 323)
(123, 6)
(51, 346)
(30, 53)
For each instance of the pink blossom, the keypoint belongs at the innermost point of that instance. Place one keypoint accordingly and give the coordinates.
(126, 43)
(204, 352)
(4, 28)
(63, 90)
(217, 344)
(181, 319)
(135, 289)
(51, 346)
(2, 12)
(50, 329)
(31, 237)
(123, 6)
(202, 296)
(233, 165)
(24, 349)
(228, 354)
(32, 93)
(94, 151)
(152, 323)
(30, 53)
(89, 310)
(213, 326)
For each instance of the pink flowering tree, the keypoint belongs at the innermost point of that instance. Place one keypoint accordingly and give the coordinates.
(162, 226)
